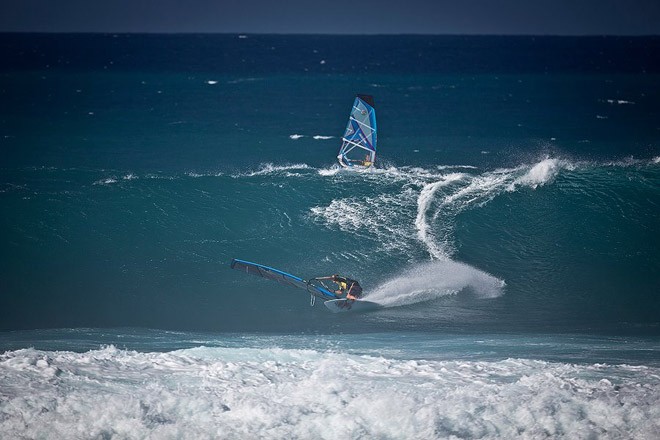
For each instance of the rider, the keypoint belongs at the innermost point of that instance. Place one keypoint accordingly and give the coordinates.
(367, 161)
(347, 286)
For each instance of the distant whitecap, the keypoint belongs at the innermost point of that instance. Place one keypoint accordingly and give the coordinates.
(619, 101)
(106, 181)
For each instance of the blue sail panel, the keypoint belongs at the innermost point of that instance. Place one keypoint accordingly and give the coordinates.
(359, 141)
(281, 277)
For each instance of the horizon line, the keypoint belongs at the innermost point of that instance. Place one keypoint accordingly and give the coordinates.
(402, 34)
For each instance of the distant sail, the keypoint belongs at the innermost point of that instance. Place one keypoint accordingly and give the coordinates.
(358, 148)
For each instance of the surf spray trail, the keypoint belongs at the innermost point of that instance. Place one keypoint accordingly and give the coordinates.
(436, 279)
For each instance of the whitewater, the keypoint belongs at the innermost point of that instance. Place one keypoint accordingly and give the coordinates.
(273, 392)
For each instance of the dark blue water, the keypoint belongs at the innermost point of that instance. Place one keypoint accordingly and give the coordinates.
(136, 166)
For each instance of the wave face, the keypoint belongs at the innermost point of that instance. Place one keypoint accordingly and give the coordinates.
(551, 243)
(508, 195)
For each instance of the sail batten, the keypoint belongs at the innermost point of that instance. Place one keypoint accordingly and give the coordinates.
(361, 133)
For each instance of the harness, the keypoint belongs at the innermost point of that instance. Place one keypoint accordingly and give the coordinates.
(348, 285)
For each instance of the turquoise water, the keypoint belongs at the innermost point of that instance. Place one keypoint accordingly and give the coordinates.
(509, 230)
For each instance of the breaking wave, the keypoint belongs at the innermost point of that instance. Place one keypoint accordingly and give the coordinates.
(427, 201)
(301, 393)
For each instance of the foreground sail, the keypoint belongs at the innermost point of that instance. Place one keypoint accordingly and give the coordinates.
(358, 148)
(282, 277)
(314, 287)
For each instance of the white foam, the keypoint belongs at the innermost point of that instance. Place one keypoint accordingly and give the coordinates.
(430, 281)
(427, 202)
(106, 181)
(441, 201)
(242, 80)
(197, 175)
(421, 223)
(381, 217)
(269, 168)
(296, 136)
(348, 214)
(211, 82)
(456, 167)
(334, 169)
(540, 174)
(321, 137)
(619, 101)
(283, 393)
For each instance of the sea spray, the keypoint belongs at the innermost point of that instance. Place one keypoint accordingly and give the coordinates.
(542, 173)
(437, 279)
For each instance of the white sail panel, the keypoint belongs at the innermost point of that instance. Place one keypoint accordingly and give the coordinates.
(359, 141)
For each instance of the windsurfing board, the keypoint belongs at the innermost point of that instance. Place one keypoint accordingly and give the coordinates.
(349, 305)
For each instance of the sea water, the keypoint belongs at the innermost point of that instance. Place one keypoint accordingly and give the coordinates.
(509, 231)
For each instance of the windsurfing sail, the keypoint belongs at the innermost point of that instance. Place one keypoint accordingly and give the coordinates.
(358, 146)
(283, 278)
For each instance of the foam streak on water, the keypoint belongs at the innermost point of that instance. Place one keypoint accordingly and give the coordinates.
(423, 202)
(427, 201)
(286, 393)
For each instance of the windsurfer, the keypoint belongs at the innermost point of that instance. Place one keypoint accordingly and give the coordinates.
(367, 161)
(360, 135)
(345, 286)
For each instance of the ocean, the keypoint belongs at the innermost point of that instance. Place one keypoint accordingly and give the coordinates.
(510, 232)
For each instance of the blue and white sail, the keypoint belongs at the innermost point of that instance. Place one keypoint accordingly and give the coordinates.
(358, 148)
